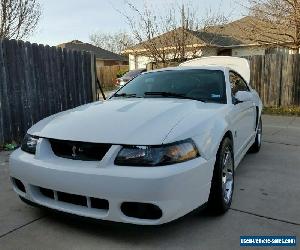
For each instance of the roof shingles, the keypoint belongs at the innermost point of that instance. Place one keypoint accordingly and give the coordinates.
(217, 39)
(204, 38)
(99, 52)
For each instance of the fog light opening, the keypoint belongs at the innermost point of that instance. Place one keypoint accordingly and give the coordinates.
(19, 184)
(141, 210)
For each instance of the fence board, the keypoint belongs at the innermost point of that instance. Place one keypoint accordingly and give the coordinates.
(108, 74)
(37, 81)
(296, 90)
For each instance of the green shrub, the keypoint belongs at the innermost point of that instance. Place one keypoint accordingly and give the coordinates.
(120, 73)
(292, 110)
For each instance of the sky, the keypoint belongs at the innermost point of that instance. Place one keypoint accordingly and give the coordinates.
(67, 20)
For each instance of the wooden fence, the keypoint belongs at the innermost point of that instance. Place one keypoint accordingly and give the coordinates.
(37, 81)
(107, 74)
(276, 77)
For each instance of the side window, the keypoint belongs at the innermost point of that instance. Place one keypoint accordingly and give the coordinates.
(237, 83)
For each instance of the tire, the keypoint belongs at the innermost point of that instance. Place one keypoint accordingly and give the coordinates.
(257, 143)
(222, 184)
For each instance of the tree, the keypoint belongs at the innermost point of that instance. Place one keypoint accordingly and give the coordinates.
(18, 18)
(168, 34)
(115, 42)
(274, 22)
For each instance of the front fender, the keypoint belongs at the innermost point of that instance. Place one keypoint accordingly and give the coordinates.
(206, 133)
(257, 101)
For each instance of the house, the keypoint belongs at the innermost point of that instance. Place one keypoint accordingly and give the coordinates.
(242, 30)
(225, 39)
(103, 57)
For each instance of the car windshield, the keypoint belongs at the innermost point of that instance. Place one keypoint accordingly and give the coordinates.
(197, 84)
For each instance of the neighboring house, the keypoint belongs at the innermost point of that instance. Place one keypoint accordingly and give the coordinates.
(238, 29)
(103, 57)
(215, 40)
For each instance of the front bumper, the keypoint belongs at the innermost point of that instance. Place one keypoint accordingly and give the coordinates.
(175, 189)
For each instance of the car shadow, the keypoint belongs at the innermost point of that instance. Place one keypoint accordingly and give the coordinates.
(128, 232)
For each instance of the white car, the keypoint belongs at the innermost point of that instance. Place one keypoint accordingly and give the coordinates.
(163, 145)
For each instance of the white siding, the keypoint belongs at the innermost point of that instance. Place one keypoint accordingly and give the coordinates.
(202, 52)
(248, 51)
(142, 62)
(131, 62)
(209, 52)
(138, 61)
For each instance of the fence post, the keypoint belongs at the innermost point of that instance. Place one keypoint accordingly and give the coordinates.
(93, 73)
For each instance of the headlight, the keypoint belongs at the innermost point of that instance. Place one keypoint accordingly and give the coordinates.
(29, 143)
(157, 155)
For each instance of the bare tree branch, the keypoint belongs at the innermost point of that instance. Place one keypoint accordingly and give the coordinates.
(274, 22)
(18, 18)
(115, 42)
(167, 35)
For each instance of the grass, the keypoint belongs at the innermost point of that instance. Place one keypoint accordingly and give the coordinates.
(8, 146)
(288, 111)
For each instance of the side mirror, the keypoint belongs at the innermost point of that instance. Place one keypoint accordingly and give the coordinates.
(243, 96)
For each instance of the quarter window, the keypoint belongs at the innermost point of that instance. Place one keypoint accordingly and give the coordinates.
(237, 83)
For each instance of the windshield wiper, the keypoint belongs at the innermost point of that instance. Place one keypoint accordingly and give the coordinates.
(170, 95)
(124, 95)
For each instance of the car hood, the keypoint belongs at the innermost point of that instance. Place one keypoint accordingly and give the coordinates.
(136, 121)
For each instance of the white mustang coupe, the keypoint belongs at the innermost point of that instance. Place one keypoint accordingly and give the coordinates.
(163, 145)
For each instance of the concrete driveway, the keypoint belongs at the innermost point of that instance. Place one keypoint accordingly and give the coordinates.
(266, 202)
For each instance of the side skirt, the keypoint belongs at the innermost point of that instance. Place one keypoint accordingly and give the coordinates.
(241, 155)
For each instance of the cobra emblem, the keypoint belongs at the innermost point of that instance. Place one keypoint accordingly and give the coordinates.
(74, 151)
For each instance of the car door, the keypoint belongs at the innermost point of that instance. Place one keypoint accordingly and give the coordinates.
(244, 115)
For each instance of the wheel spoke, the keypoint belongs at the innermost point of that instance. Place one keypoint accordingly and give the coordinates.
(226, 159)
(227, 175)
(259, 133)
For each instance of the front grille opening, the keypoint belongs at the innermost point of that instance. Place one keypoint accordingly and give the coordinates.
(75, 199)
(47, 192)
(99, 203)
(141, 210)
(72, 198)
(19, 184)
(75, 150)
